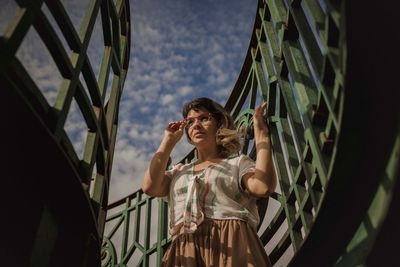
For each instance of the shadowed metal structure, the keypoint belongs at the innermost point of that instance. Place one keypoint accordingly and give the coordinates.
(57, 211)
(334, 122)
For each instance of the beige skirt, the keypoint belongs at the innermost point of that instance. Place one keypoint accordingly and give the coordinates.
(217, 243)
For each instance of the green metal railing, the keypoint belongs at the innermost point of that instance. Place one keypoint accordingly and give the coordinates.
(85, 180)
(137, 234)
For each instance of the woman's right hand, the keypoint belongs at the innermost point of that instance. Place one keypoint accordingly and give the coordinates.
(174, 131)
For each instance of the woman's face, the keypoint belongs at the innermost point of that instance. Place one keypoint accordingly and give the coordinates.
(202, 127)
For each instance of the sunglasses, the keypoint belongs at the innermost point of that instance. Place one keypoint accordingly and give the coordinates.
(204, 119)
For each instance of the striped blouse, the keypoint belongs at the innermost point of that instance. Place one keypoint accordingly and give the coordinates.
(214, 193)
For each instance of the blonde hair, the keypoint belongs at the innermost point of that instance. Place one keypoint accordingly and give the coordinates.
(227, 137)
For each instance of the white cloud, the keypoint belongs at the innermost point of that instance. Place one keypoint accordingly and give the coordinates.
(167, 99)
(129, 163)
(144, 109)
(222, 94)
(170, 75)
(185, 90)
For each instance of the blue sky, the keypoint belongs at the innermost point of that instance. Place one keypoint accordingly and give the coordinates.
(181, 49)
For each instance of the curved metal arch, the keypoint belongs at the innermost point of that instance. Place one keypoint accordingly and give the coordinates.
(63, 226)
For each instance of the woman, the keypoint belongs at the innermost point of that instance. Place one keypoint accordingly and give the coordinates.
(213, 212)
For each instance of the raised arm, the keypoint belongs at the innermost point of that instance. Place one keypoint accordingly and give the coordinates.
(263, 182)
(155, 182)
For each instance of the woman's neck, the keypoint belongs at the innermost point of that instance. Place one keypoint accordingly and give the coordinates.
(207, 154)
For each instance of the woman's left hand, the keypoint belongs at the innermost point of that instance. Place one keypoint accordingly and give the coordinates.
(261, 130)
(263, 181)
